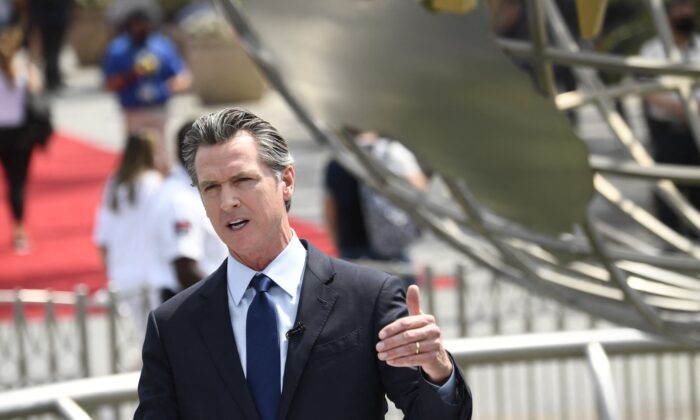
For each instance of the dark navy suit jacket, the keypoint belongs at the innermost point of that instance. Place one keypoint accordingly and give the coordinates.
(191, 367)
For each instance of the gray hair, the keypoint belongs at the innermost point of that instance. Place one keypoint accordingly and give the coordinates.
(221, 126)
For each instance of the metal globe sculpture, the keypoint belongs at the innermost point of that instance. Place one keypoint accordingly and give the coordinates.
(446, 77)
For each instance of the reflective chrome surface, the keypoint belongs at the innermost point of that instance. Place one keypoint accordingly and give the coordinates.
(519, 181)
(437, 82)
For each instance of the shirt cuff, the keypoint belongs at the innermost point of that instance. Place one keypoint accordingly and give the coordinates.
(446, 391)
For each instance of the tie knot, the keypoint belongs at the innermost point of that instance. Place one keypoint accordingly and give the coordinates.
(261, 283)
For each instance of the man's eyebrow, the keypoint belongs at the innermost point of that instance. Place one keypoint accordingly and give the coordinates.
(236, 177)
(204, 184)
(244, 174)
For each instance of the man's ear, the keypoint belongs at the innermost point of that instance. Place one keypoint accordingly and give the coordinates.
(288, 182)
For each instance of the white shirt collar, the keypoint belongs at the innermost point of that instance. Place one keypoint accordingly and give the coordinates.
(285, 270)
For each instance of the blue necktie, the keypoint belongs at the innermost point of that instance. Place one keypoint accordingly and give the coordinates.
(263, 350)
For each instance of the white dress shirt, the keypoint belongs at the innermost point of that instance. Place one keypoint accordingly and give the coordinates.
(287, 271)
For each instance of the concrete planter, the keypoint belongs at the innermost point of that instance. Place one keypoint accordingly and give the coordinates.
(222, 71)
(89, 35)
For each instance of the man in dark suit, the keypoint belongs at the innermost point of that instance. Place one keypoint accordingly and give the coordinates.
(280, 330)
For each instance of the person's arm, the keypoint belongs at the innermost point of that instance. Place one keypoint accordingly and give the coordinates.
(103, 256)
(117, 80)
(404, 163)
(156, 389)
(416, 391)
(180, 82)
(188, 271)
(103, 225)
(330, 217)
(418, 180)
(34, 79)
(182, 239)
(179, 77)
(331, 176)
(120, 81)
(667, 103)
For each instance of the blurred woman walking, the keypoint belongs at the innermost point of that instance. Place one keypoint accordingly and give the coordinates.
(120, 230)
(18, 80)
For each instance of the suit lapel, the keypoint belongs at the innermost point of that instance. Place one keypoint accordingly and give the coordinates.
(214, 322)
(315, 305)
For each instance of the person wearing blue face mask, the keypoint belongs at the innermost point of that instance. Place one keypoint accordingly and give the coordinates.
(145, 70)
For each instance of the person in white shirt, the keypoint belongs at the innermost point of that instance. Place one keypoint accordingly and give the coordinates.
(120, 228)
(672, 140)
(361, 229)
(183, 245)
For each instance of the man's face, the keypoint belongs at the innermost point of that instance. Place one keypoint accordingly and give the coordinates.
(244, 199)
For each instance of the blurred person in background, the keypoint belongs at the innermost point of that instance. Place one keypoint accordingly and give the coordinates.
(18, 80)
(145, 69)
(184, 245)
(672, 140)
(120, 228)
(51, 19)
(345, 209)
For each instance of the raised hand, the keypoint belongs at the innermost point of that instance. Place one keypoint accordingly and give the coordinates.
(415, 341)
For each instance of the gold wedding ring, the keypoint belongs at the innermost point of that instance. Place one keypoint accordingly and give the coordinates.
(417, 347)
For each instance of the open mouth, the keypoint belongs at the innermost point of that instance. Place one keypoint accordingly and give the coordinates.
(238, 224)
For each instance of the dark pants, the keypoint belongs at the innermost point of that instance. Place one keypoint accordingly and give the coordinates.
(15, 157)
(674, 143)
(52, 37)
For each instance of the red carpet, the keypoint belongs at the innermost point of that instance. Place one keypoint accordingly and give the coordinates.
(64, 189)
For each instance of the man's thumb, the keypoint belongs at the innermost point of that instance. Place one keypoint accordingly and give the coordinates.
(413, 300)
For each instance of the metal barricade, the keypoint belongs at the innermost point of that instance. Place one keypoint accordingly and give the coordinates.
(598, 391)
(58, 336)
